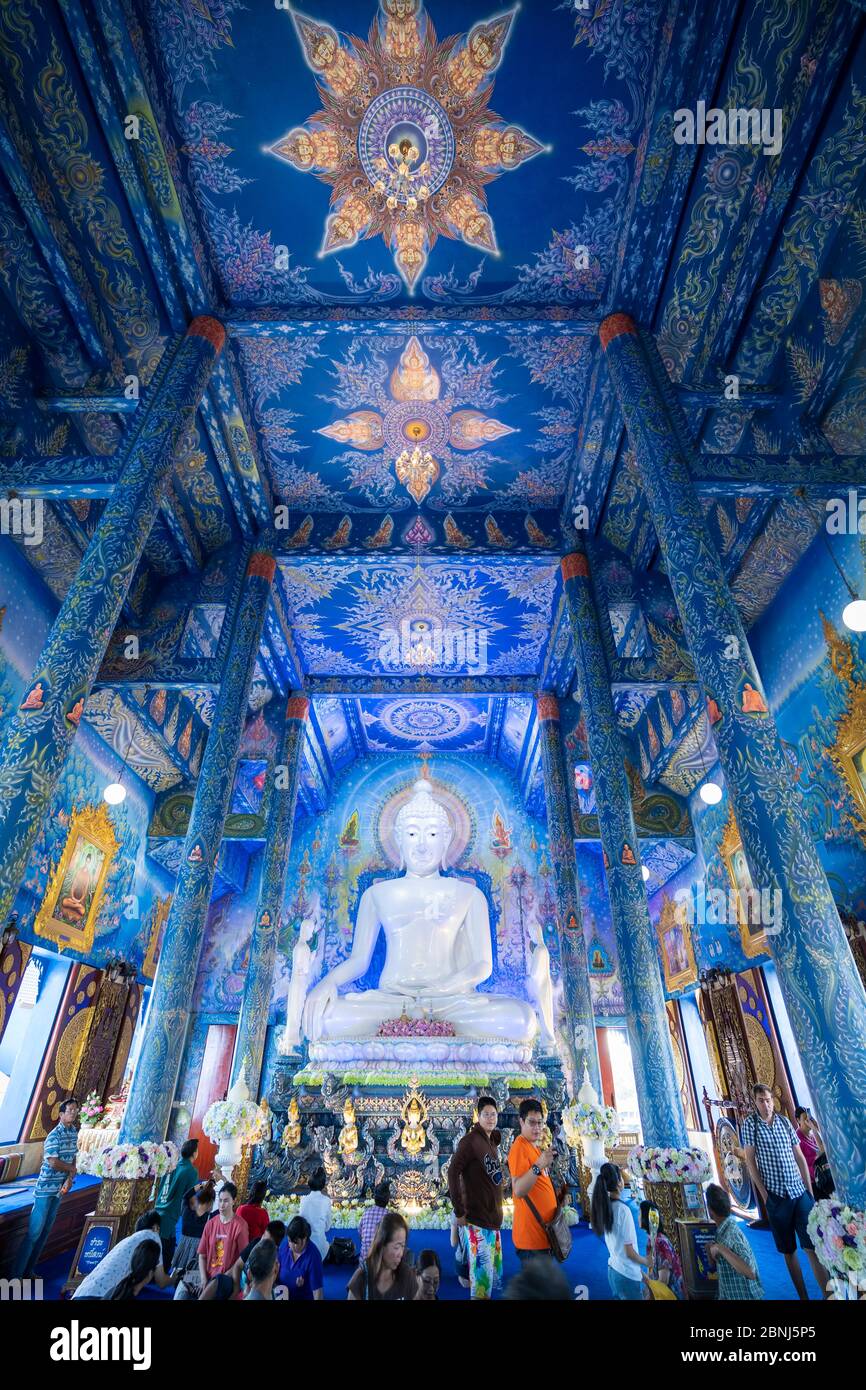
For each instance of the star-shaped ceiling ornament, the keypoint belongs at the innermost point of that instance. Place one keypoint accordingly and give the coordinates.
(406, 137)
(418, 424)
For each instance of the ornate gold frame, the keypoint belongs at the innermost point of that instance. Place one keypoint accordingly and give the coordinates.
(753, 944)
(161, 909)
(672, 916)
(851, 727)
(91, 824)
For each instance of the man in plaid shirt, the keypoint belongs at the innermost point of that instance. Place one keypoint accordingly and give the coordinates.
(372, 1218)
(780, 1174)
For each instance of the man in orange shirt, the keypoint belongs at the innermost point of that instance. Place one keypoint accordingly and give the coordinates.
(528, 1165)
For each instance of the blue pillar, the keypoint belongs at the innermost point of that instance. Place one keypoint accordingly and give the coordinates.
(577, 995)
(41, 731)
(819, 980)
(149, 1105)
(253, 1022)
(659, 1100)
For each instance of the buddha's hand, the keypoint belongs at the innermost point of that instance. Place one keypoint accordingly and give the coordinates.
(319, 1000)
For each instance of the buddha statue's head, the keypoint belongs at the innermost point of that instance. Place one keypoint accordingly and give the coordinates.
(423, 831)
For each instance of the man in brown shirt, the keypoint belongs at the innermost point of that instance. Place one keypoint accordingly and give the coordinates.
(475, 1188)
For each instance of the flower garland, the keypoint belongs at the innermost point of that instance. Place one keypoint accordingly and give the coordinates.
(347, 1214)
(581, 1120)
(670, 1165)
(131, 1161)
(838, 1233)
(404, 1027)
(92, 1111)
(230, 1119)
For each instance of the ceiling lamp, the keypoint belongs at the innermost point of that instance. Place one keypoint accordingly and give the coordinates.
(417, 471)
(645, 872)
(711, 793)
(854, 615)
(114, 793)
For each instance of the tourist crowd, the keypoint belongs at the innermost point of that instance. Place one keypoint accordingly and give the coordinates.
(228, 1251)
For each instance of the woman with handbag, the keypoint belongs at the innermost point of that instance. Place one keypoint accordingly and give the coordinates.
(612, 1219)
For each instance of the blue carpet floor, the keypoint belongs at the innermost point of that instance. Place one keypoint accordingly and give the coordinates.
(586, 1265)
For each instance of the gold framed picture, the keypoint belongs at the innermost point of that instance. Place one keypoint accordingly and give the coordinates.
(675, 940)
(161, 909)
(74, 895)
(753, 938)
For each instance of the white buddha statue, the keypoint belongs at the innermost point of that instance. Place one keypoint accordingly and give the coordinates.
(438, 949)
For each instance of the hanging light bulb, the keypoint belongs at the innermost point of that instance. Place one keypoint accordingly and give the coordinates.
(854, 615)
(645, 871)
(711, 793)
(114, 793)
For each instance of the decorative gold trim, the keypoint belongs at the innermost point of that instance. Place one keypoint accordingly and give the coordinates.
(92, 826)
(672, 917)
(753, 943)
(161, 909)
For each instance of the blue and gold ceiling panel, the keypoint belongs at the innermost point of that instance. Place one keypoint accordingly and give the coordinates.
(381, 617)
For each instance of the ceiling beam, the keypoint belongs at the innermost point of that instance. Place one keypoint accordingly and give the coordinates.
(67, 477)
(264, 323)
(419, 687)
(777, 475)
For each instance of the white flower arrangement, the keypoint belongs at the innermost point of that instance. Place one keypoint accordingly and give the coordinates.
(346, 1215)
(670, 1165)
(130, 1161)
(583, 1120)
(838, 1233)
(231, 1119)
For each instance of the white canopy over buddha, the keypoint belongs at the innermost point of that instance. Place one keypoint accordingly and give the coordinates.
(438, 947)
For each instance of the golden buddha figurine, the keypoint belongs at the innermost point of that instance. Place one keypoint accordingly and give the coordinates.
(292, 1130)
(414, 1114)
(348, 1137)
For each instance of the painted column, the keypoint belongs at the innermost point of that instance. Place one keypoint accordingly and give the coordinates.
(577, 996)
(822, 990)
(149, 1105)
(40, 733)
(253, 1022)
(661, 1109)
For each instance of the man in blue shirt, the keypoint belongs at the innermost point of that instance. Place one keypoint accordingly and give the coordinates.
(56, 1176)
(300, 1263)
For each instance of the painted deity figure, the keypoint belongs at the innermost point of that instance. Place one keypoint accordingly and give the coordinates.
(306, 963)
(438, 947)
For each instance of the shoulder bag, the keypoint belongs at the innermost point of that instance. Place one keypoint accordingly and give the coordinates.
(557, 1230)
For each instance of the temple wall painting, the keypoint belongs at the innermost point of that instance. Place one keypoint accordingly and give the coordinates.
(815, 679)
(108, 868)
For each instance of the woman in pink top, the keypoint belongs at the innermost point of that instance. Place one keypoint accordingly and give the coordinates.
(810, 1138)
(223, 1238)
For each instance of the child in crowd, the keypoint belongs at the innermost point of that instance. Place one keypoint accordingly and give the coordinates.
(734, 1257)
